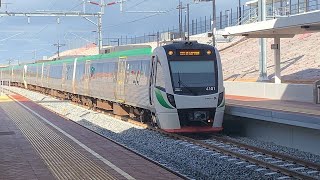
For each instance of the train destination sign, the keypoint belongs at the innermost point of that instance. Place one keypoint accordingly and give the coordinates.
(191, 52)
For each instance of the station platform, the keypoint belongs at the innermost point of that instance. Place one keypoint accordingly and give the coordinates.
(39, 144)
(300, 114)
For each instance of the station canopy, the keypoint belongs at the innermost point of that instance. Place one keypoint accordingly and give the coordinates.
(254, 3)
(285, 27)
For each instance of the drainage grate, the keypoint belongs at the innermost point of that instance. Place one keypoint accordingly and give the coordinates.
(7, 133)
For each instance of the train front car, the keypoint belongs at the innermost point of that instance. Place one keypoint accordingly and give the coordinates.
(186, 88)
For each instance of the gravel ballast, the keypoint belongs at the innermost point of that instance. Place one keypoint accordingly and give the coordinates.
(277, 148)
(183, 157)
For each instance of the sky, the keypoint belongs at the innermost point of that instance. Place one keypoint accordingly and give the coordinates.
(24, 42)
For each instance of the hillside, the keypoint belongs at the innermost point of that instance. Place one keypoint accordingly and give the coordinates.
(300, 59)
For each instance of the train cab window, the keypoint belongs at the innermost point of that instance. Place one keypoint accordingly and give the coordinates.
(160, 80)
(194, 77)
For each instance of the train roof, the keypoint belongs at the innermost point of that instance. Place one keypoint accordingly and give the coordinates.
(127, 53)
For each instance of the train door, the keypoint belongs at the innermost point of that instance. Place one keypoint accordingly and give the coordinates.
(74, 71)
(42, 75)
(24, 75)
(64, 76)
(121, 79)
(48, 76)
(12, 75)
(37, 75)
(87, 76)
(152, 81)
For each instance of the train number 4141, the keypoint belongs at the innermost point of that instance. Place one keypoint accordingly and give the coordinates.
(209, 88)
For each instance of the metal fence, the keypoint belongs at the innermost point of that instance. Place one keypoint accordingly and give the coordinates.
(226, 18)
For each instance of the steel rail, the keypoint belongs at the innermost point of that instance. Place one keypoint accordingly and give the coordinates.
(271, 153)
(249, 159)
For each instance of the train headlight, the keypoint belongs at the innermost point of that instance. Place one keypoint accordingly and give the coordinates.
(170, 53)
(220, 99)
(171, 100)
(209, 52)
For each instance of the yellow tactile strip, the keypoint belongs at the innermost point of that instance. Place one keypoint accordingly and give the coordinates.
(4, 98)
(63, 159)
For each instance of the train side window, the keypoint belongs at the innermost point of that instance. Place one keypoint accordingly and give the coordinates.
(160, 80)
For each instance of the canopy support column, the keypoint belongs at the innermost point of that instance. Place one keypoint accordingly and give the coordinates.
(263, 76)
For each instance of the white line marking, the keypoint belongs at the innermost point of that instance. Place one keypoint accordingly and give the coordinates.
(242, 150)
(286, 165)
(240, 162)
(249, 166)
(114, 167)
(214, 154)
(274, 162)
(260, 169)
(272, 173)
(283, 177)
(312, 172)
(221, 157)
(298, 168)
(269, 158)
(259, 155)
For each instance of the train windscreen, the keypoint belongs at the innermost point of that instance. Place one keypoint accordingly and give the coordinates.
(193, 77)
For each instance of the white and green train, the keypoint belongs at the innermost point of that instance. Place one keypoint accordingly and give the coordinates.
(177, 87)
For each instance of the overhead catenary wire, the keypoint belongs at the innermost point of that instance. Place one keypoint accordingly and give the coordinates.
(140, 19)
(137, 4)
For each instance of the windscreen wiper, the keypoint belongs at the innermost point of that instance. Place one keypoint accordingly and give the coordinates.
(187, 87)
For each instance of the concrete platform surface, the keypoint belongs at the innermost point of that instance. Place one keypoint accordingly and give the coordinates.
(293, 113)
(38, 144)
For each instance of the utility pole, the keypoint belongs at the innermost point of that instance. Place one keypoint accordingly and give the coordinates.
(84, 6)
(214, 23)
(4, 3)
(239, 9)
(188, 21)
(180, 8)
(100, 43)
(35, 54)
(213, 19)
(58, 46)
(102, 5)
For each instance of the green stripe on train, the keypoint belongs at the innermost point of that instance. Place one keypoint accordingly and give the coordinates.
(161, 99)
(128, 53)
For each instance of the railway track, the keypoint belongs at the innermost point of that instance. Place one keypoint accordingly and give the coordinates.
(279, 163)
(260, 159)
